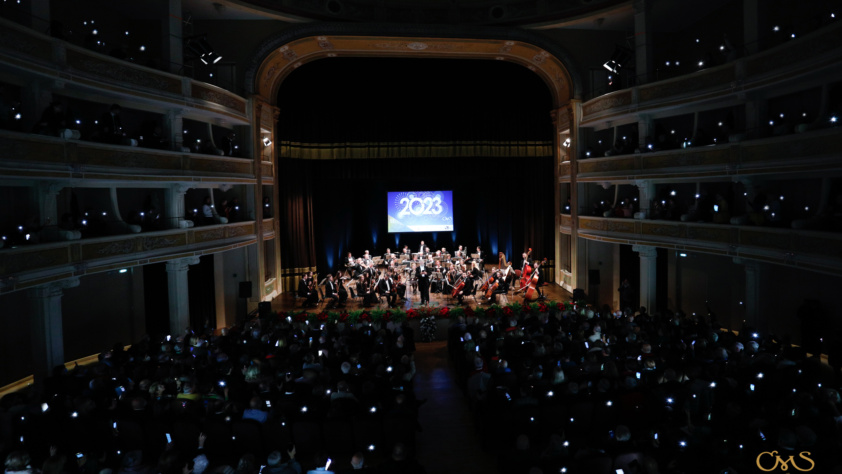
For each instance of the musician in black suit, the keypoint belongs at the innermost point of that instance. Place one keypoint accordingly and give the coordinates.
(388, 290)
(502, 287)
(422, 274)
(307, 290)
(341, 291)
(468, 289)
(331, 291)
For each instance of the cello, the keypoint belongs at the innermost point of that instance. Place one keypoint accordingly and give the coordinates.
(459, 286)
(494, 283)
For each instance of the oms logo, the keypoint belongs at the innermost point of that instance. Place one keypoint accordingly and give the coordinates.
(767, 459)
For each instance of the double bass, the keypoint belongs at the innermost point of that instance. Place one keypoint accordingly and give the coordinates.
(527, 271)
(531, 289)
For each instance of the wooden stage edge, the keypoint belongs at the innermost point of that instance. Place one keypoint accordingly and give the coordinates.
(288, 302)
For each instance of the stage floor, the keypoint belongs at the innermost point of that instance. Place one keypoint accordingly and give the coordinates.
(287, 301)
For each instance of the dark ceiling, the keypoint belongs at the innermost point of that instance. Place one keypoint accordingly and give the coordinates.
(391, 99)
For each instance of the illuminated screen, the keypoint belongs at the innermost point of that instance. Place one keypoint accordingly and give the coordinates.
(420, 211)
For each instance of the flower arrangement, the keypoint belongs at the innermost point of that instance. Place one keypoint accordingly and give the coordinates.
(425, 313)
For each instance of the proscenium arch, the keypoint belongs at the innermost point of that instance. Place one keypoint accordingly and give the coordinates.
(278, 56)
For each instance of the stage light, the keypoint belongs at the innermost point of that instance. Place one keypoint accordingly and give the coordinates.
(782, 197)
(698, 41)
(697, 195)
(371, 447)
(771, 122)
(84, 222)
(668, 63)
(713, 385)
(95, 32)
(142, 48)
(806, 208)
(304, 409)
(127, 32)
(17, 116)
(776, 28)
(766, 208)
(722, 47)
(792, 35)
(720, 124)
(701, 63)
(672, 193)
(619, 59)
(682, 255)
(677, 63)
(832, 119)
(587, 153)
(124, 270)
(672, 132)
(266, 141)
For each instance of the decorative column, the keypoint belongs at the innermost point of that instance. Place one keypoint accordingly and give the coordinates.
(46, 325)
(646, 193)
(752, 300)
(648, 276)
(179, 293)
(40, 15)
(172, 36)
(642, 42)
(174, 207)
(174, 128)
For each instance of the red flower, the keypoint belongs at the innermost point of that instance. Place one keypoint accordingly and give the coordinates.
(469, 312)
(301, 317)
(365, 316)
(490, 312)
(560, 306)
(412, 314)
(322, 316)
(343, 317)
(444, 311)
(508, 311)
(542, 308)
(387, 316)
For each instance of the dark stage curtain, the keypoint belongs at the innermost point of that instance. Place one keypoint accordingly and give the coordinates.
(336, 206)
(297, 235)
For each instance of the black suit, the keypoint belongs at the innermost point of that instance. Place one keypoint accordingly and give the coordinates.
(304, 291)
(331, 292)
(422, 274)
(387, 289)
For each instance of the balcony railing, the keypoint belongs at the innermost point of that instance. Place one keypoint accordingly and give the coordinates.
(26, 266)
(808, 152)
(27, 155)
(811, 52)
(818, 251)
(29, 53)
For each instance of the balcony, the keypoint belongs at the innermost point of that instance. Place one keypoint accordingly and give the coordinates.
(815, 152)
(27, 156)
(32, 56)
(817, 251)
(27, 266)
(786, 62)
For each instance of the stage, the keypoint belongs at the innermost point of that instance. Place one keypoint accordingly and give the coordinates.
(287, 301)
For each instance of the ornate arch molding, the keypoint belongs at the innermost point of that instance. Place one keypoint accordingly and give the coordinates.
(278, 56)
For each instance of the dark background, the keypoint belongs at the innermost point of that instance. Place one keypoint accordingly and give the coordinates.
(331, 207)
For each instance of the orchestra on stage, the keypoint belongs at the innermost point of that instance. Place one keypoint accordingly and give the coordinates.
(395, 278)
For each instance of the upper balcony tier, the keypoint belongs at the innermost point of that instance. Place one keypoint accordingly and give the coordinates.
(812, 54)
(811, 153)
(817, 251)
(29, 156)
(26, 266)
(27, 56)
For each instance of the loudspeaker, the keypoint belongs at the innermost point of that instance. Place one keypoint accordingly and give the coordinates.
(593, 277)
(264, 309)
(578, 294)
(245, 289)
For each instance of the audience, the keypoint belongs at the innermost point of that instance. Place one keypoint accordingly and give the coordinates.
(643, 392)
(225, 403)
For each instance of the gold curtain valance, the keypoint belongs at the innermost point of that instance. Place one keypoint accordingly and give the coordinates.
(362, 150)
